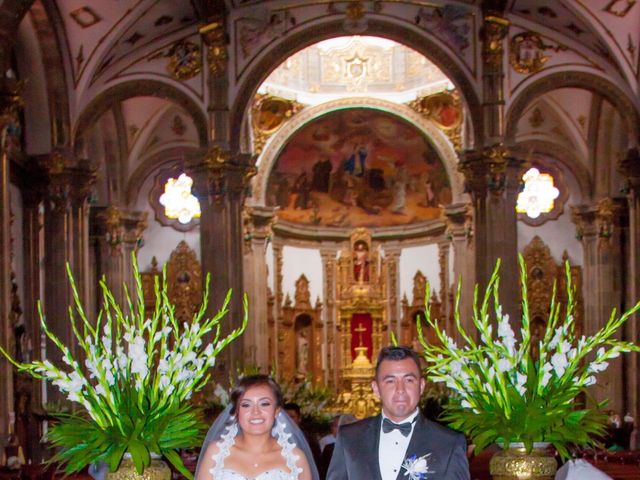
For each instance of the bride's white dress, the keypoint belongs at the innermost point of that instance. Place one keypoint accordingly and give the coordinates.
(218, 472)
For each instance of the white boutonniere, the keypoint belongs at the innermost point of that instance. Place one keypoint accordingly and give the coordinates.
(417, 467)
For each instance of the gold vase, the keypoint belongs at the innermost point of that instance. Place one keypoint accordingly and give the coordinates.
(157, 470)
(514, 463)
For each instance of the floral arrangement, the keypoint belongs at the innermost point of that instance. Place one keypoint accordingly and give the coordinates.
(141, 368)
(508, 392)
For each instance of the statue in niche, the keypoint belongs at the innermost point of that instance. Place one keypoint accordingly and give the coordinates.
(361, 262)
(302, 354)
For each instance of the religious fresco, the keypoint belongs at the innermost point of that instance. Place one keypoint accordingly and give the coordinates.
(358, 168)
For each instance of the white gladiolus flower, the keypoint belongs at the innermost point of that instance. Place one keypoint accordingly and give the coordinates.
(455, 367)
(597, 367)
(614, 354)
(100, 390)
(591, 380)
(465, 404)
(556, 339)
(209, 350)
(565, 347)
(559, 362)
(600, 352)
(504, 365)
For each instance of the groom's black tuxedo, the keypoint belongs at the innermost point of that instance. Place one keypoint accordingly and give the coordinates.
(355, 456)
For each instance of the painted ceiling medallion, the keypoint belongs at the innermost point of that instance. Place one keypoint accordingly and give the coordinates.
(526, 53)
(85, 17)
(185, 60)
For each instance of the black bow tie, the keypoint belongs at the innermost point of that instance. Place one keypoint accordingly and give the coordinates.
(388, 426)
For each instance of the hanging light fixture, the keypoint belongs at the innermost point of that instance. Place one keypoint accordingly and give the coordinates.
(178, 201)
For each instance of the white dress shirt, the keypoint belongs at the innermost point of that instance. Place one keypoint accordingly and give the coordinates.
(393, 447)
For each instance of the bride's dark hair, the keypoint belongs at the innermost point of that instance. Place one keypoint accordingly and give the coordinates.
(249, 381)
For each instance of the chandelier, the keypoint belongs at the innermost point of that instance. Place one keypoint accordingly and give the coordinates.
(178, 201)
(538, 194)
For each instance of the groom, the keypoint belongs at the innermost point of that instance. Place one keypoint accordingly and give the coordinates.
(390, 446)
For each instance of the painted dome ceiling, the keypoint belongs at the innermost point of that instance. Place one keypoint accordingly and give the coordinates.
(355, 66)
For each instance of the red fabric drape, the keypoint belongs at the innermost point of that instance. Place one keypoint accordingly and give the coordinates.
(361, 321)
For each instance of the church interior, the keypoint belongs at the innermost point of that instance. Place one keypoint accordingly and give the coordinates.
(328, 158)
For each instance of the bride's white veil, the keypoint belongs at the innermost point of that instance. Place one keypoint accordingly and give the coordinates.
(285, 431)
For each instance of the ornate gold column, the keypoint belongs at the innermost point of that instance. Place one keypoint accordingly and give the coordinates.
(328, 256)
(599, 227)
(220, 183)
(629, 166)
(257, 231)
(67, 183)
(459, 219)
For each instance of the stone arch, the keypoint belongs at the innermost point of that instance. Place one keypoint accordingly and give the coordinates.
(136, 88)
(256, 73)
(439, 140)
(573, 79)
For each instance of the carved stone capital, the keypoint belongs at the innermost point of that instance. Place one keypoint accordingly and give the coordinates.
(583, 216)
(65, 181)
(599, 220)
(258, 225)
(119, 227)
(219, 176)
(459, 220)
(486, 170)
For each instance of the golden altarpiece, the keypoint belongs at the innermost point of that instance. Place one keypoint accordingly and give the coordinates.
(362, 323)
(184, 282)
(415, 310)
(542, 272)
(300, 335)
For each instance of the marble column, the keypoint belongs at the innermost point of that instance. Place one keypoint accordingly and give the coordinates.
(32, 247)
(629, 167)
(278, 298)
(258, 223)
(392, 260)
(220, 183)
(459, 219)
(329, 313)
(116, 233)
(492, 180)
(10, 102)
(599, 227)
(444, 248)
(6, 333)
(68, 183)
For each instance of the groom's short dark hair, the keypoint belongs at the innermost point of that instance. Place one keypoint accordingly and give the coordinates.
(393, 353)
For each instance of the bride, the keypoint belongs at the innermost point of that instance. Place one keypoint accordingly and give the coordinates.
(254, 439)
